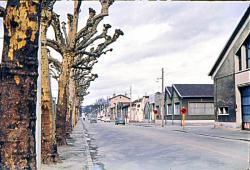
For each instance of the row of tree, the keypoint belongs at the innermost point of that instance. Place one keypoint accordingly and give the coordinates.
(26, 23)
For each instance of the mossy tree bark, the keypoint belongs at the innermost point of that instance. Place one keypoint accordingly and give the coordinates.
(18, 84)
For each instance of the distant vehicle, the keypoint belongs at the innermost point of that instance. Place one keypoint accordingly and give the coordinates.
(93, 119)
(107, 119)
(120, 120)
(99, 118)
(103, 118)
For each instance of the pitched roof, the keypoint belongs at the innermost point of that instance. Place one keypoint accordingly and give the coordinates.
(137, 100)
(169, 90)
(118, 96)
(194, 90)
(229, 42)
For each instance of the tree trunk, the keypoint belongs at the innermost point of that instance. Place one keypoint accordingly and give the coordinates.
(18, 84)
(77, 108)
(62, 100)
(74, 119)
(71, 93)
(49, 147)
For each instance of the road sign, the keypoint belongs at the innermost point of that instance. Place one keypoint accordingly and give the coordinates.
(183, 111)
(155, 112)
(183, 116)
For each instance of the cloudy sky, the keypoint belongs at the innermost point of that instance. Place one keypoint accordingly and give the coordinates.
(184, 38)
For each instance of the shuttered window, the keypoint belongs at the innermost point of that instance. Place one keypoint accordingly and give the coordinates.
(200, 108)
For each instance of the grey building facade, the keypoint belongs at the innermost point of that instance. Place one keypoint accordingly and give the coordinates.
(231, 75)
(196, 98)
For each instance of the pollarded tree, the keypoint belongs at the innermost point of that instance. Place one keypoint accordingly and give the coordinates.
(18, 84)
(82, 86)
(73, 45)
(48, 148)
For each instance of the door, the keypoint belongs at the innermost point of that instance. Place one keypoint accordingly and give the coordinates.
(245, 105)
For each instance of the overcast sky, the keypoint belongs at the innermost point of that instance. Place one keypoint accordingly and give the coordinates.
(184, 38)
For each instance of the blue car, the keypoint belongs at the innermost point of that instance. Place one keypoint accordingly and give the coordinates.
(120, 120)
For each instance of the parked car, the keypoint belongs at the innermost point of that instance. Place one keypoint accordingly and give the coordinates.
(120, 120)
(103, 118)
(93, 120)
(107, 119)
(99, 117)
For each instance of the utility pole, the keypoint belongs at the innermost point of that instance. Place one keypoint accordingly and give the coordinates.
(162, 100)
(162, 97)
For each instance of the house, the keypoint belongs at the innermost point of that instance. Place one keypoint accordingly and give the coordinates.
(136, 113)
(115, 105)
(231, 75)
(196, 98)
(152, 108)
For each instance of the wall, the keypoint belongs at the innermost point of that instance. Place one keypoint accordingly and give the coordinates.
(227, 82)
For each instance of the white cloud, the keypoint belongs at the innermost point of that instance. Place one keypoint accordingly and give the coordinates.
(182, 37)
(186, 44)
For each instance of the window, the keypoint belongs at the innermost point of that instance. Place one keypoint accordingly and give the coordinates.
(177, 108)
(200, 108)
(238, 54)
(222, 111)
(248, 52)
(169, 109)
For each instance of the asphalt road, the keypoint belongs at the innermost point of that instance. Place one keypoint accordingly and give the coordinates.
(154, 148)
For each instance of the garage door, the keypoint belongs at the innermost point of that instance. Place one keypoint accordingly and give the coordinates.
(245, 104)
(200, 108)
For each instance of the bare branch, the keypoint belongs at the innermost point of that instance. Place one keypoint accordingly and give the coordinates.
(82, 67)
(108, 41)
(105, 7)
(53, 44)
(65, 33)
(70, 26)
(57, 64)
(57, 30)
(54, 74)
(78, 73)
(99, 50)
(94, 19)
(89, 24)
(48, 4)
(77, 5)
(85, 81)
(83, 52)
(83, 44)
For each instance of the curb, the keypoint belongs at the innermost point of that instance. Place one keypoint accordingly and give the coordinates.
(213, 136)
(195, 133)
(89, 159)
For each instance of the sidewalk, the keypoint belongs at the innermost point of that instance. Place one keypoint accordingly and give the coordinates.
(202, 129)
(74, 156)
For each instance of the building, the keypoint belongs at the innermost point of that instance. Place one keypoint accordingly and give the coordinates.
(136, 113)
(196, 98)
(168, 100)
(116, 105)
(231, 75)
(152, 108)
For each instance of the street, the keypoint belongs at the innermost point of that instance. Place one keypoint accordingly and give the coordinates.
(133, 147)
